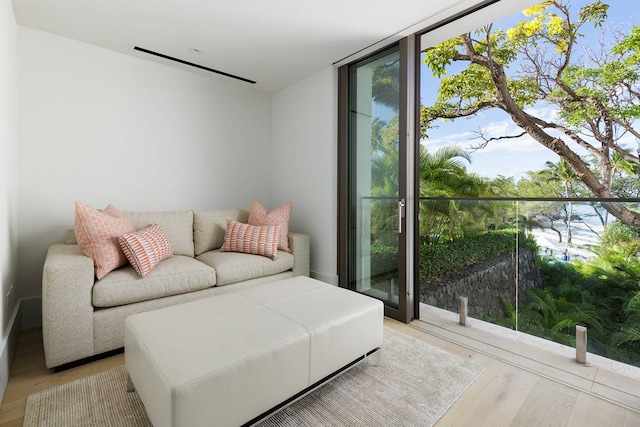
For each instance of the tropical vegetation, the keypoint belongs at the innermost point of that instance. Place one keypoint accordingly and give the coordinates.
(544, 59)
(597, 98)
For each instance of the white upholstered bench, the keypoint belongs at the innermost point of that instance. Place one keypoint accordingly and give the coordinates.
(231, 358)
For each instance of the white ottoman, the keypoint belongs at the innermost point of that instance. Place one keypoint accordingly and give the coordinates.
(227, 359)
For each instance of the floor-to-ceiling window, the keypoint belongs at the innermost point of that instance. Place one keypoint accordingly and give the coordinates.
(373, 231)
(529, 178)
(527, 171)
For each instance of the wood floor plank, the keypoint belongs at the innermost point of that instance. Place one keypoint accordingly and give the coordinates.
(12, 423)
(631, 419)
(12, 411)
(465, 402)
(548, 404)
(29, 375)
(464, 352)
(592, 411)
(498, 403)
(401, 327)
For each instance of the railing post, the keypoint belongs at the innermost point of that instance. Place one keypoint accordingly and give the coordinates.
(464, 310)
(581, 344)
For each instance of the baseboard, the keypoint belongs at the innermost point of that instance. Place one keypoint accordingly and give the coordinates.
(9, 344)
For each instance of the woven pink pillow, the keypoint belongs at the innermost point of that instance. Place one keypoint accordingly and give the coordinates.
(97, 234)
(251, 239)
(258, 215)
(146, 248)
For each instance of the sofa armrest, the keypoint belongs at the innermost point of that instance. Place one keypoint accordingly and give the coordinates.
(67, 313)
(299, 244)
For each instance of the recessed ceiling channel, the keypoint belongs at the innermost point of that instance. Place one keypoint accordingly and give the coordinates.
(191, 64)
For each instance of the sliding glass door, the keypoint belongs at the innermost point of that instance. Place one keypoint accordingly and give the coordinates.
(373, 180)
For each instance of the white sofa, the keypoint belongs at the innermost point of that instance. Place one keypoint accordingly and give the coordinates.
(83, 317)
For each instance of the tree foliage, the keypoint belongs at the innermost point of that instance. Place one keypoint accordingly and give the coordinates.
(623, 236)
(596, 92)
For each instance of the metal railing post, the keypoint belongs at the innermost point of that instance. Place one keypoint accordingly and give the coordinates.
(581, 344)
(464, 310)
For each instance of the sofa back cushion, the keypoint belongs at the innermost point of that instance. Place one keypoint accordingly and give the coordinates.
(70, 237)
(177, 225)
(209, 227)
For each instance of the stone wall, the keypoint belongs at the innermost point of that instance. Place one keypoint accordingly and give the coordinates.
(483, 284)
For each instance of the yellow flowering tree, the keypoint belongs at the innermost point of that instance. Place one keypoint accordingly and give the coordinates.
(596, 92)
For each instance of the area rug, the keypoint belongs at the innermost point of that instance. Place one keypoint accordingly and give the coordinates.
(412, 384)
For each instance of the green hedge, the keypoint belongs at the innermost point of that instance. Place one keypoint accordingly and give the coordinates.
(384, 259)
(442, 259)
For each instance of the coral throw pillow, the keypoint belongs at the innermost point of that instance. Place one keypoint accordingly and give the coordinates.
(258, 215)
(97, 234)
(146, 248)
(251, 239)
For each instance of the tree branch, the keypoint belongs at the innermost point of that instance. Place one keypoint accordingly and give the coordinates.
(627, 127)
(571, 134)
(472, 55)
(486, 141)
(627, 155)
(469, 111)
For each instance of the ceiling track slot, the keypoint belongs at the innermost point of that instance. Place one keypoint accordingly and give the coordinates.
(191, 64)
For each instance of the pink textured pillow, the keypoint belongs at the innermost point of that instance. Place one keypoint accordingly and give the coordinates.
(146, 248)
(251, 239)
(97, 234)
(258, 215)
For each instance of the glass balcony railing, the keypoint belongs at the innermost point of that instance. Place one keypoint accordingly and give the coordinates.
(539, 266)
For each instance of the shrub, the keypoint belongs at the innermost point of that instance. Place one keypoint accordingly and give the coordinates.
(384, 259)
(441, 259)
(622, 235)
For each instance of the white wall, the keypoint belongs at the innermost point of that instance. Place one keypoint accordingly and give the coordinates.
(304, 159)
(8, 187)
(8, 155)
(102, 127)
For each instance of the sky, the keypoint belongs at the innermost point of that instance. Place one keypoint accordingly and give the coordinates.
(514, 157)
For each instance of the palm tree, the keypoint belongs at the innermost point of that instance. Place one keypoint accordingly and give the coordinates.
(554, 313)
(443, 174)
(377, 128)
(563, 173)
(610, 285)
(384, 178)
(630, 332)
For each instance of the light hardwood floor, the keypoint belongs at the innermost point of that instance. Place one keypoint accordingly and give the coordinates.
(515, 388)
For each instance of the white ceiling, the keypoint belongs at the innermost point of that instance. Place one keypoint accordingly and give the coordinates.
(274, 42)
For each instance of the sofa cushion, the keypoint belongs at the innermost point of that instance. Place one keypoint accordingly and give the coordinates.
(209, 227)
(176, 275)
(70, 237)
(97, 233)
(232, 267)
(145, 248)
(177, 225)
(251, 239)
(258, 215)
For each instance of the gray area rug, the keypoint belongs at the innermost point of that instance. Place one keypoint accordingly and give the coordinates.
(413, 384)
